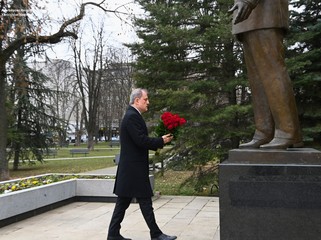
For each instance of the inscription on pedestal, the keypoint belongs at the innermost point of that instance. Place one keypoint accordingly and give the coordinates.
(276, 191)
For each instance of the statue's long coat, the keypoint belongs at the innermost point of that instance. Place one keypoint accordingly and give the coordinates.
(266, 14)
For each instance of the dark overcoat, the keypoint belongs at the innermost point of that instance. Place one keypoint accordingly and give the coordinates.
(132, 177)
(266, 14)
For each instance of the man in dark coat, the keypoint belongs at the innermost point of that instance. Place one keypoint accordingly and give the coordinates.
(132, 177)
(260, 25)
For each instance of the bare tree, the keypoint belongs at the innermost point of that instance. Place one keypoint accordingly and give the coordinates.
(116, 86)
(11, 42)
(89, 71)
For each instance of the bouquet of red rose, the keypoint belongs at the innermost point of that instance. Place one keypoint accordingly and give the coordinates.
(169, 123)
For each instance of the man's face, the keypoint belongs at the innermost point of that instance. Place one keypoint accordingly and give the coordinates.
(142, 103)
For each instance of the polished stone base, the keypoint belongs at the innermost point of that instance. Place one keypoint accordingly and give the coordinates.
(271, 195)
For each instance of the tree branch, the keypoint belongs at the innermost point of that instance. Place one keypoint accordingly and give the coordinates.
(54, 38)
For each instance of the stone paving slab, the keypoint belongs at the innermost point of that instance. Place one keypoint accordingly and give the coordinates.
(190, 218)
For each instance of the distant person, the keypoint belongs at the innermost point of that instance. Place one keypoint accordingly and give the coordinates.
(132, 178)
(260, 26)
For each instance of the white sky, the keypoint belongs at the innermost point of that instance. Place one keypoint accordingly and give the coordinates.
(116, 31)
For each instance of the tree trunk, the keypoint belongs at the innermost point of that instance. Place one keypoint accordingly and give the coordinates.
(16, 145)
(4, 168)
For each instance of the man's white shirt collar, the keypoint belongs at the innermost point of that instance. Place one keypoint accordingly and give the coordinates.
(136, 109)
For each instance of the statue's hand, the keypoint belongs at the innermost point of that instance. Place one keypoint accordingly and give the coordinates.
(244, 9)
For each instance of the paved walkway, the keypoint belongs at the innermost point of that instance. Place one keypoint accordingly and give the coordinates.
(190, 218)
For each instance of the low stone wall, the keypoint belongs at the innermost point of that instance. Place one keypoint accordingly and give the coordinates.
(23, 201)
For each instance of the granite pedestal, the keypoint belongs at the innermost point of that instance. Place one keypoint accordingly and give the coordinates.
(271, 195)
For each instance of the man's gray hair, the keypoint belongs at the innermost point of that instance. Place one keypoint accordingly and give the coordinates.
(136, 93)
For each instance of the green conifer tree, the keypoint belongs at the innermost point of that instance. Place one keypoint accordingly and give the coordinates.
(304, 62)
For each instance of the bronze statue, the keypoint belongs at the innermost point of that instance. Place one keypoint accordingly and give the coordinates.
(260, 26)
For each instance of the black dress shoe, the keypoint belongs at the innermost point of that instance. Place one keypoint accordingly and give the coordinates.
(120, 237)
(164, 237)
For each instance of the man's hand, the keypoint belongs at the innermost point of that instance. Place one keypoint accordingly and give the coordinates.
(244, 9)
(167, 138)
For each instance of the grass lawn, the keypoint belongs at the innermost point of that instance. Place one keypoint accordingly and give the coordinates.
(184, 183)
(77, 165)
(101, 157)
(171, 183)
